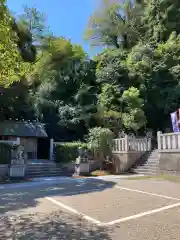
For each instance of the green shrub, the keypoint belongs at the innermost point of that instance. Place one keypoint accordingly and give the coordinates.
(5, 153)
(100, 140)
(68, 152)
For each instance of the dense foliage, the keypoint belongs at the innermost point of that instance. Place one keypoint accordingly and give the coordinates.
(5, 151)
(61, 86)
(100, 140)
(67, 152)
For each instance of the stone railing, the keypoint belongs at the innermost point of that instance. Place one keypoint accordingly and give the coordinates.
(168, 142)
(131, 143)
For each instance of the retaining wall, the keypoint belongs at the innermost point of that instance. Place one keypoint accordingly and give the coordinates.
(124, 161)
(169, 162)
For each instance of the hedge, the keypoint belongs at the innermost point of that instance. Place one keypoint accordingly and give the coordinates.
(67, 152)
(5, 153)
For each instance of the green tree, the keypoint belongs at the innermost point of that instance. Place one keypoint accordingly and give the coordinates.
(109, 112)
(12, 66)
(155, 71)
(160, 19)
(100, 142)
(116, 111)
(32, 32)
(65, 96)
(115, 25)
(133, 114)
(34, 23)
(15, 102)
(111, 67)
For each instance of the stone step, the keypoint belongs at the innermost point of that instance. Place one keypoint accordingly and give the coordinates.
(45, 175)
(146, 172)
(37, 172)
(41, 165)
(48, 168)
(45, 169)
(41, 169)
(146, 167)
(150, 159)
(154, 153)
(148, 163)
(34, 172)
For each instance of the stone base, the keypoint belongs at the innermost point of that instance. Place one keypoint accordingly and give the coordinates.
(85, 168)
(17, 171)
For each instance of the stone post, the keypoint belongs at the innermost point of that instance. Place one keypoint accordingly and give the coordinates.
(51, 151)
(159, 140)
(126, 143)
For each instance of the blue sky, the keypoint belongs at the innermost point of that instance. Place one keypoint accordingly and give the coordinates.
(66, 18)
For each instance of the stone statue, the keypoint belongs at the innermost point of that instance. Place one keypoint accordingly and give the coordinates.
(78, 161)
(19, 157)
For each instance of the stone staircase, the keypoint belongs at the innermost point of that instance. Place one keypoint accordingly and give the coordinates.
(45, 169)
(148, 164)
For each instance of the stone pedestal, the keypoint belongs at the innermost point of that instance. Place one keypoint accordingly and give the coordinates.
(17, 171)
(18, 163)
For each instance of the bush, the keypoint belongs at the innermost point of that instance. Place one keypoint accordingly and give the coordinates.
(68, 152)
(5, 153)
(100, 140)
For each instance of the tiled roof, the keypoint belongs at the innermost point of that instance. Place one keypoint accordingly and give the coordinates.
(22, 129)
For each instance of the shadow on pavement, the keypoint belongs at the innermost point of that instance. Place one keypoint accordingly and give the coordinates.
(59, 225)
(13, 199)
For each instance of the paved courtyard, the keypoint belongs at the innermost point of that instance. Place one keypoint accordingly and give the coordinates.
(109, 209)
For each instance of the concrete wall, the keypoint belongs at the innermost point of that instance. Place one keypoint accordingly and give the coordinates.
(124, 161)
(3, 171)
(169, 162)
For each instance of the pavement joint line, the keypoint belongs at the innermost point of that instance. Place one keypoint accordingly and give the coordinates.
(136, 216)
(147, 193)
(74, 211)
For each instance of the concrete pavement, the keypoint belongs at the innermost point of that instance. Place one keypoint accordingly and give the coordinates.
(127, 209)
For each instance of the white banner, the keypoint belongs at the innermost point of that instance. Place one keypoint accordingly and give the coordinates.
(174, 121)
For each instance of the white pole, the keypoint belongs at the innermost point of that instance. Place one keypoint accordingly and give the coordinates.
(126, 143)
(51, 149)
(159, 140)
